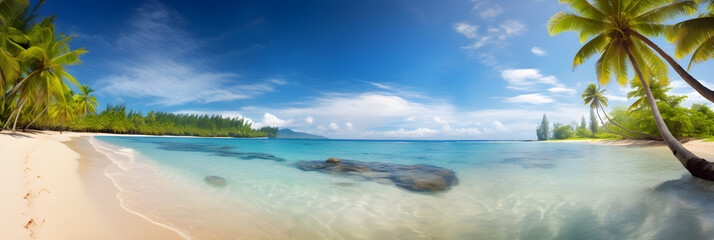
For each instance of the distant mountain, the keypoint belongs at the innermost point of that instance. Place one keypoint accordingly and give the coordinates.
(287, 133)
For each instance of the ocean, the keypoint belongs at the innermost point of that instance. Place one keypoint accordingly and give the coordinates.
(505, 190)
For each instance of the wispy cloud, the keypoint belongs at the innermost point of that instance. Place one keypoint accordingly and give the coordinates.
(535, 98)
(538, 51)
(159, 61)
(487, 9)
(469, 31)
(528, 79)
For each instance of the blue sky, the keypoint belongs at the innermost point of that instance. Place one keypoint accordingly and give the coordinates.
(367, 69)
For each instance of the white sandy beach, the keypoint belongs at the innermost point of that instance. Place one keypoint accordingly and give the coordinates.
(49, 191)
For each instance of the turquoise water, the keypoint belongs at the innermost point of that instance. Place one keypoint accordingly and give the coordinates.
(506, 190)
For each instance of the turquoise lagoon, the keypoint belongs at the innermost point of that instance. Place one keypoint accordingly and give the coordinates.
(506, 190)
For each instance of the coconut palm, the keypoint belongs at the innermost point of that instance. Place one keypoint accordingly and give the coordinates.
(63, 111)
(46, 58)
(85, 104)
(597, 100)
(695, 36)
(691, 35)
(613, 26)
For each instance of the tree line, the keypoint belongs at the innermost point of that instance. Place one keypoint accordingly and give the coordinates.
(37, 91)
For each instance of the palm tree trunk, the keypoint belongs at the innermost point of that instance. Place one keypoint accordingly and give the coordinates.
(633, 132)
(608, 129)
(701, 89)
(10, 117)
(19, 110)
(33, 120)
(14, 89)
(696, 166)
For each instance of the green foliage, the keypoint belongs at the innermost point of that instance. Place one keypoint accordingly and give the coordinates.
(116, 119)
(563, 131)
(694, 36)
(608, 28)
(583, 133)
(543, 130)
(696, 121)
(33, 61)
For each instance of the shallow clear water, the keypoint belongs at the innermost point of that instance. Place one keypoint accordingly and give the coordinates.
(506, 190)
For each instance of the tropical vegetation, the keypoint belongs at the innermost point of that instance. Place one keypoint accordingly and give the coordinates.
(38, 92)
(618, 31)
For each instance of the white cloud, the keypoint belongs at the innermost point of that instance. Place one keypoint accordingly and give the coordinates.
(615, 98)
(439, 120)
(538, 51)
(511, 28)
(487, 9)
(270, 120)
(158, 61)
(278, 81)
(379, 85)
(469, 31)
(478, 44)
(527, 79)
(535, 98)
(380, 115)
(309, 120)
(561, 90)
(500, 127)
(505, 30)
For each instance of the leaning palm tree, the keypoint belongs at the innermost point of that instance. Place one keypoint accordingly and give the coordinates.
(613, 26)
(594, 96)
(46, 58)
(598, 102)
(695, 36)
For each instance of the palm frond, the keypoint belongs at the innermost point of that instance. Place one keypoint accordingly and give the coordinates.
(668, 12)
(689, 34)
(584, 8)
(568, 22)
(704, 52)
(592, 47)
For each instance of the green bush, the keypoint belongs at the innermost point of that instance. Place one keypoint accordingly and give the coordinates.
(563, 132)
(583, 133)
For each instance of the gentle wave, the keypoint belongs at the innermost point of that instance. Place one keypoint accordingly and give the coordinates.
(118, 162)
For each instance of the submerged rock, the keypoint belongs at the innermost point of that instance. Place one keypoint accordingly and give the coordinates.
(411, 177)
(223, 151)
(332, 160)
(215, 181)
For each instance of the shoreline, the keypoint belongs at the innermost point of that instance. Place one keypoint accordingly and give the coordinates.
(54, 187)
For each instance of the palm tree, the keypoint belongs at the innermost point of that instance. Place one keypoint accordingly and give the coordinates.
(64, 109)
(613, 27)
(595, 97)
(688, 36)
(46, 58)
(695, 36)
(85, 104)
